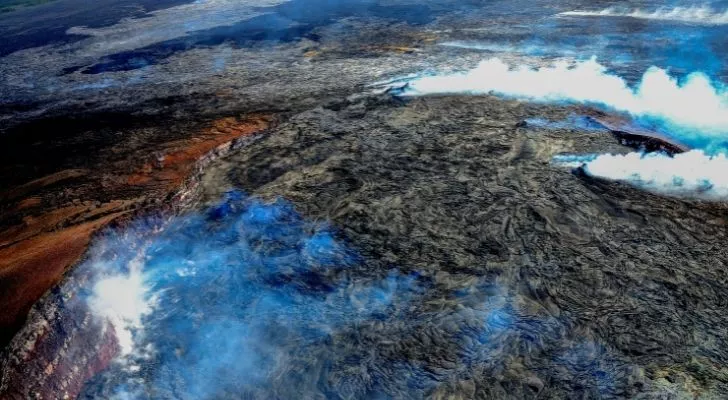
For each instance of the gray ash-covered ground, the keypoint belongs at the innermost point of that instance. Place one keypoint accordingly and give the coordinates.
(403, 247)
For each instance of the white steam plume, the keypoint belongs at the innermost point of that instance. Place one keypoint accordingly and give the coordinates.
(122, 299)
(692, 173)
(695, 110)
(694, 14)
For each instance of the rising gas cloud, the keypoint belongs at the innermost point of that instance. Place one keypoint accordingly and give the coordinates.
(572, 122)
(249, 299)
(694, 15)
(535, 48)
(693, 174)
(214, 302)
(694, 109)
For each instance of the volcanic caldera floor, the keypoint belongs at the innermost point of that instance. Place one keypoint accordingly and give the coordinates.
(631, 284)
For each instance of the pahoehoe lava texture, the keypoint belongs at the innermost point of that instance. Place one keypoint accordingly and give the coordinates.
(602, 291)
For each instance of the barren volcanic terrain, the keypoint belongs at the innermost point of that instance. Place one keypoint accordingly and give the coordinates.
(363, 199)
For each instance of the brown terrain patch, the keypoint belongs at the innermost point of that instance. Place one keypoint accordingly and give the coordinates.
(30, 267)
(42, 234)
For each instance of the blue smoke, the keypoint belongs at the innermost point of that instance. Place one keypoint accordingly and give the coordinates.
(250, 300)
(229, 292)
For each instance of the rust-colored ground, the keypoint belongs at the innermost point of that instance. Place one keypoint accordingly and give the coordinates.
(40, 238)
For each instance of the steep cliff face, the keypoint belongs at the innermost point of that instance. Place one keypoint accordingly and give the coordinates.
(61, 345)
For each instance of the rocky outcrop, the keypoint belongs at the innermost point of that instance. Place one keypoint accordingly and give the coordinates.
(641, 138)
(54, 354)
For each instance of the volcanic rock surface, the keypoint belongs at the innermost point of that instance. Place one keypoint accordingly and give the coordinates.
(591, 289)
(49, 221)
(628, 286)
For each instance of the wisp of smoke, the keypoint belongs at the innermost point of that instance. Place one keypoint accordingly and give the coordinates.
(123, 301)
(692, 173)
(530, 49)
(694, 14)
(695, 110)
(539, 49)
(575, 122)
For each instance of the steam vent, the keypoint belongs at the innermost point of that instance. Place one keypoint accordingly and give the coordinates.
(363, 199)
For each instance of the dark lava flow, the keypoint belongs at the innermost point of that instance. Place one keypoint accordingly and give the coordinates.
(608, 292)
(289, 21)
(521, 279)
